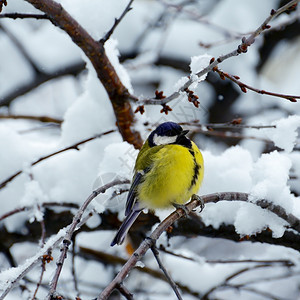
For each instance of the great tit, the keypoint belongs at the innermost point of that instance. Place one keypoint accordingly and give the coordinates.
(168, 171)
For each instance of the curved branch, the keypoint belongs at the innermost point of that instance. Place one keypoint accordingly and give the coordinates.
(117, 92)
(179, 213)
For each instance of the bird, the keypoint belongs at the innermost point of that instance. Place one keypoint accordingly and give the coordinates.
(168, 170)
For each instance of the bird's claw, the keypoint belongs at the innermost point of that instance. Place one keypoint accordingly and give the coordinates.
(201, 202)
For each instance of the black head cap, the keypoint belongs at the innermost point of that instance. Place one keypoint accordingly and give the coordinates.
(166, 133)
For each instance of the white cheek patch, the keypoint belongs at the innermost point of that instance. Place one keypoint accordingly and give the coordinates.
(164, 140)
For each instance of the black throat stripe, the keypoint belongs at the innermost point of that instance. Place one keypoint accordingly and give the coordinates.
(196, 170)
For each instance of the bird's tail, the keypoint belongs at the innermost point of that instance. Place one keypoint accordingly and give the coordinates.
(127, 223)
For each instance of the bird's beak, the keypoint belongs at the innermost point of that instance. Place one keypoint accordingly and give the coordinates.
(184, 132)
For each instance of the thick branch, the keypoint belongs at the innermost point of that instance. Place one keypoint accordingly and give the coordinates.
(95, 51)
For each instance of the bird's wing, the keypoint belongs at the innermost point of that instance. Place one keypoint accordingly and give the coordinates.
(132, 192)
(143, 165)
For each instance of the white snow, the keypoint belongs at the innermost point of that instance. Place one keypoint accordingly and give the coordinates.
(285, 134)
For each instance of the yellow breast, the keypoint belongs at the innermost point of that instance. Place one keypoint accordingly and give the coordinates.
(176, 174)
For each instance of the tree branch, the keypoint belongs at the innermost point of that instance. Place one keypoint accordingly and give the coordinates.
(242, 48)
(67, 239)
(179, 213)
(244, 86)
(117, 92)
(167, 275)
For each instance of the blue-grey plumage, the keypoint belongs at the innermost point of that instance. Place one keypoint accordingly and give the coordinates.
(127, 223)
(168, 171)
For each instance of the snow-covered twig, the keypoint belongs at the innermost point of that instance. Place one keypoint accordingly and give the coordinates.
(72, 147)
(22, 270)
(283, 262)
(67, 239)
(242, 48)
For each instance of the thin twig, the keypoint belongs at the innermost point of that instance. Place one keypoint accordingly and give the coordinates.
(231, 135)
(44, 119)
(125, 292)
(243, 86)
(39, 79)
(43, 264)
(45, 204)
(72, 147)
(24, 16)
(169, 278)
(228, 278)
(116, 23)
(67, 240)
(282, 262)
(229, 125)
(236, 36)
(73, 266)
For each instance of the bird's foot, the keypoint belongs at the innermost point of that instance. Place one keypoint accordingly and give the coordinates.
(201, 202)
(185, 210)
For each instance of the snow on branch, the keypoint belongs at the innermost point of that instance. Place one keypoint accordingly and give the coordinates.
(95, 51)
(72, 147)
